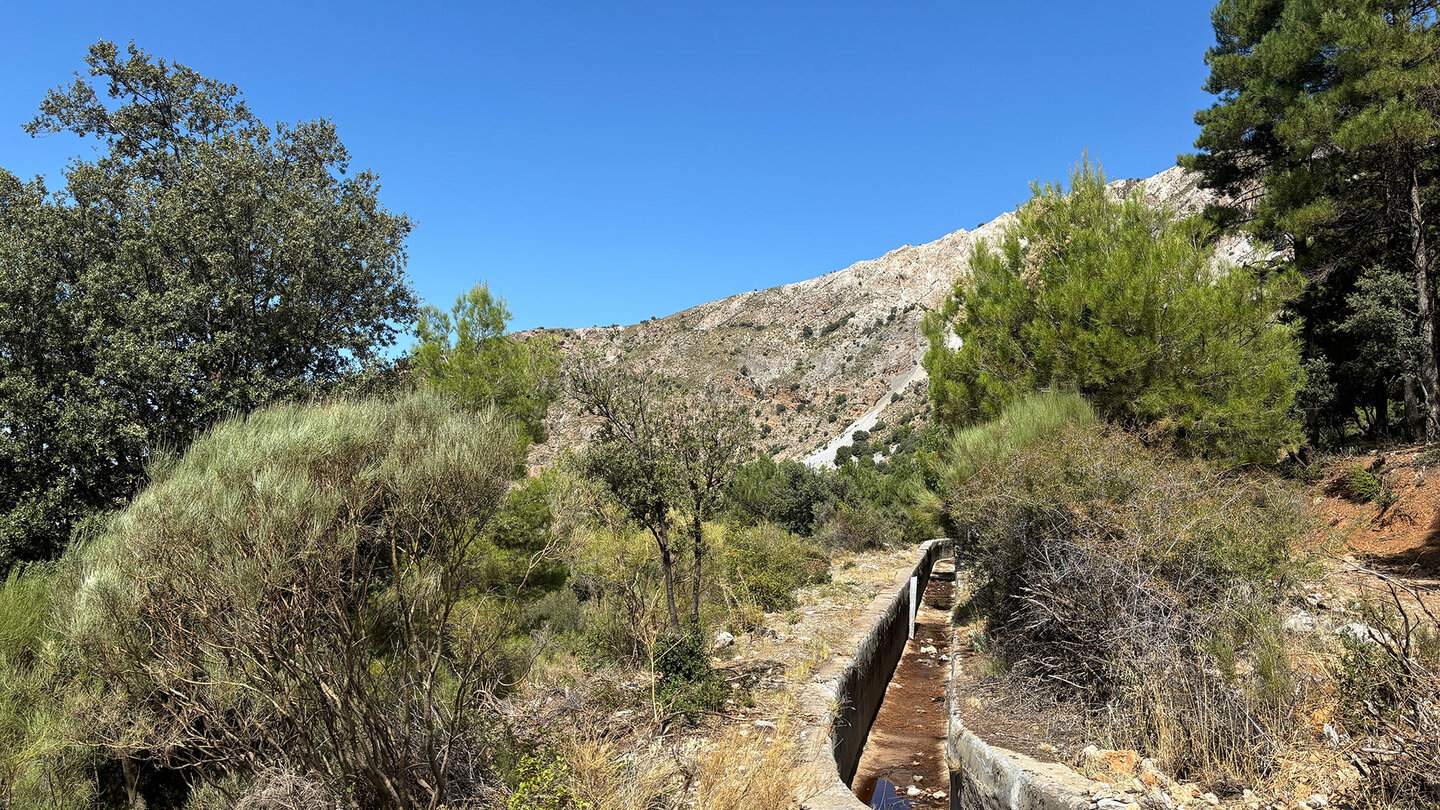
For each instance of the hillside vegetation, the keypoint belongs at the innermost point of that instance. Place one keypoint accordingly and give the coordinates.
(253, 562)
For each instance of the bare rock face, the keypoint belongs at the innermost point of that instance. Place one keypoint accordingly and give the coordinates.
(825, 357)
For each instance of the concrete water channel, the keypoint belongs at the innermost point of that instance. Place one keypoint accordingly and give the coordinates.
(892, 718)
(904, 752)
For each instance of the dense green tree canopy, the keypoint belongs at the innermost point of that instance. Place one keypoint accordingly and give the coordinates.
(202, 264)
(1107, 297)
(466, 353)
(1324, 136)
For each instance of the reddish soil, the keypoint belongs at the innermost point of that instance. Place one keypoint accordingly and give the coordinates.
(1403, 538)
(908, 737)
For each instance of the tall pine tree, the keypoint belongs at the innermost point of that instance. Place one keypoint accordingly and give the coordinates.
(1324, 134)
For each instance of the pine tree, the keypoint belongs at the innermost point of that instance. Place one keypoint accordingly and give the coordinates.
(1325, 135)
(1110, 298)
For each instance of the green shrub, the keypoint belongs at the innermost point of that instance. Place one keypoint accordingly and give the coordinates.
(541, 781)
(1362, 486)
(310, 567)
(1126, 579)
(765, 565)
(687, 683)
(42, 760)
(1112, 299)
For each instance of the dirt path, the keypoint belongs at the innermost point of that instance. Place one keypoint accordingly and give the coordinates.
(907, 743)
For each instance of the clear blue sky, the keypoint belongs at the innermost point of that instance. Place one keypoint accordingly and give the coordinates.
(605, 162)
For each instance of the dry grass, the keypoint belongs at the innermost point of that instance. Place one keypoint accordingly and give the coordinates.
(817, 650)
(610, 775)
(748, 768)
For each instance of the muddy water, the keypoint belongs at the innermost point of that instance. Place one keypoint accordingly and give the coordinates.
(907, 742)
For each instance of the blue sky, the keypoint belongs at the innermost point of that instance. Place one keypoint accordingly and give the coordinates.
(605, 162)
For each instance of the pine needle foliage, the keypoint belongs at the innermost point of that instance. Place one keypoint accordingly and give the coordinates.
(1105, 296)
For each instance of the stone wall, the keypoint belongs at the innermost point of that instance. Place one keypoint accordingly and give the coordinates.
(843, 699)
(988, 777)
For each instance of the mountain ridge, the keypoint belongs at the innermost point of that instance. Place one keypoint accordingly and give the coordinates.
(824, 357)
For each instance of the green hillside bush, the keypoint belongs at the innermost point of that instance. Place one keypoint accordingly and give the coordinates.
(1131, 581)
(297, 595)
(1110, 298)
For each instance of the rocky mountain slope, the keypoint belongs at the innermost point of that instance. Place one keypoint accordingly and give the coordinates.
(824, 357)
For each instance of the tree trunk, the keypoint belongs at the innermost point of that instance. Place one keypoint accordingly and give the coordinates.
(1381, 426)
(1414, 422)
(1420, 255)
(668, 566)
(132, 794)
(697, 529)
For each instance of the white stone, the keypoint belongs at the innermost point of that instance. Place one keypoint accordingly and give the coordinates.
(1360, 632)
(1301, 622)
(912, 791)
(723, 640)
(764, 724)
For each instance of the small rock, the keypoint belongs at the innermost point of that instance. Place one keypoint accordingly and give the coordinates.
(1211, 799)
(1360, 632)
(917, 777)
(1301, 622)
(723, 640)
(765, 724)
(912, 791)
(1317, 801)
(1046, 748)
(1110, 766)
(1332, 736)
(939, 794)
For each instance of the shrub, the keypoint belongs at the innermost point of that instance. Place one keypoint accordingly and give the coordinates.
(541, 781)
(686, 682)
(766, 565)
(836, 324)
(1119, 302)
(787, 493)
(41, 762)
(298, 590)
(1126, 579)
(1363, 486)
(1388, 684)
(855, 528)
